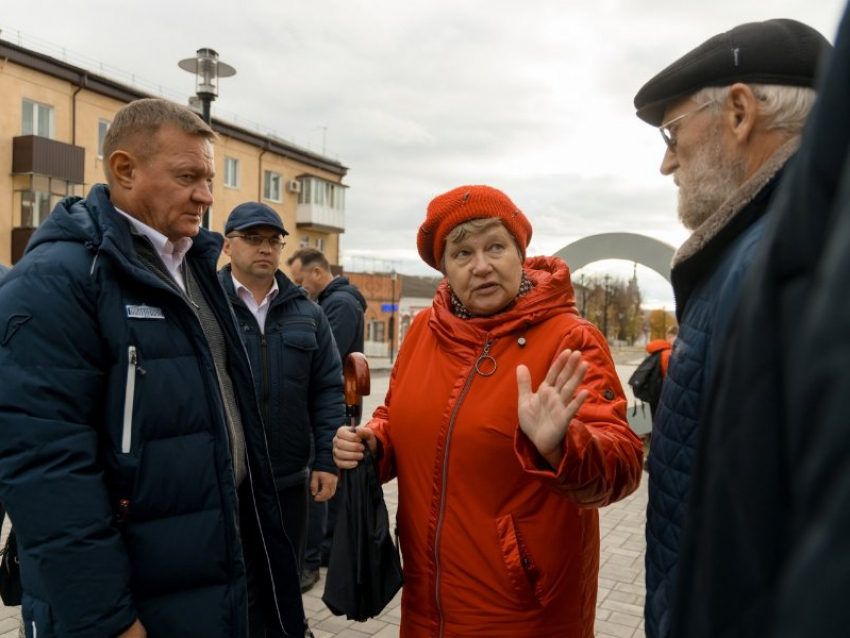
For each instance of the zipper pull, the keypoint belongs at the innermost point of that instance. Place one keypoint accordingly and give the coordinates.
(123, 512)
(134, 361)
(486, 365)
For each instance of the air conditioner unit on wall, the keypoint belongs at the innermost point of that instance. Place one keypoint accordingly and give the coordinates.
(294, 186)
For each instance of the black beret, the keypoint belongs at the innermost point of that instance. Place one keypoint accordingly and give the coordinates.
(783, 52)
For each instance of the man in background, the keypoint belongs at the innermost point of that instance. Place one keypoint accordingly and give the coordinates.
(297, 371)
(344, 307)
(730, 113)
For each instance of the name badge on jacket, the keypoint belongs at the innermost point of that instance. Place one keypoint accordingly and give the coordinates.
(144, 312)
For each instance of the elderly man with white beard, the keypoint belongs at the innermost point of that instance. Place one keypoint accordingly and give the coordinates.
(730, 113)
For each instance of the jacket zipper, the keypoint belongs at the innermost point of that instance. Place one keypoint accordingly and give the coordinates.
(265, 357)
(265, 409)
(485, 354)
(265, 548)
(129, 393)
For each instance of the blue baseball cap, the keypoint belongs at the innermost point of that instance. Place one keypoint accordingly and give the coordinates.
(252, 214)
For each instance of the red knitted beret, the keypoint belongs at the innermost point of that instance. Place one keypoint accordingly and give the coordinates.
(463, 204)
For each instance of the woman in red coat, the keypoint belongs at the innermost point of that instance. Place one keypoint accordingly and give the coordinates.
(505, 424)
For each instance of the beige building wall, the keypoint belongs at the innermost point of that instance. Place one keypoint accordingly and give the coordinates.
(77, 112)
(16, 84)
(252, 165)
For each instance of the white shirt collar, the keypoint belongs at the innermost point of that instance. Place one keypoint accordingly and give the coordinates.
(259, 310)
(171, 253)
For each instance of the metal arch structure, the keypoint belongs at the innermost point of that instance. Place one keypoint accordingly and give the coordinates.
(644, 250)
(647, 251)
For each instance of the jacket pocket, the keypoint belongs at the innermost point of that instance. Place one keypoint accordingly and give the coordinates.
(299, 348)
(37, 618)
(523, 572)
(129, 395)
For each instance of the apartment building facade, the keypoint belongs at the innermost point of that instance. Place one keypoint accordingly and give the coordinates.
(53, 120)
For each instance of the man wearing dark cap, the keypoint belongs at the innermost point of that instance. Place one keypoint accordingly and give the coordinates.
(765, 545)
(730, 113)
(297, 370)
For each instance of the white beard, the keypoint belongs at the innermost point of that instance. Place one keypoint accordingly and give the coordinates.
(709, 180)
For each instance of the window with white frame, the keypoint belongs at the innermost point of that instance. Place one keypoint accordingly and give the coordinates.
(206, 220)
(320, 243)
(35, 207)
(102, 129)
(304, 242)
(231, 173)
(36, 119)
(317, 191)
(271, 186)
(375, 331)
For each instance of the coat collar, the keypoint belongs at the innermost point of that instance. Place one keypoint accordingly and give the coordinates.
(552, 295)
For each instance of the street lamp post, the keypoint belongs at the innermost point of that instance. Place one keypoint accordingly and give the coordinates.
(605, 308)
(393, 309)
(207, 69)
(583, 297)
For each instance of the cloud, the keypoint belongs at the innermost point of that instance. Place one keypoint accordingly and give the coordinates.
(421, 96)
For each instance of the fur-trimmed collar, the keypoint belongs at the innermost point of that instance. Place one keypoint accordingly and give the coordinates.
(736, 202)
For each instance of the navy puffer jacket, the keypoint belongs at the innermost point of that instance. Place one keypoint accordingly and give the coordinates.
(298, 379)
(706, 281)
(344, 306)
(114, 452)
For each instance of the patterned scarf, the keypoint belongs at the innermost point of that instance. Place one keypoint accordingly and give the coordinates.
(525, 286)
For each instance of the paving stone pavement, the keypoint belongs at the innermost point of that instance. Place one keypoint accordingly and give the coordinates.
(619, 606)
(619, 609)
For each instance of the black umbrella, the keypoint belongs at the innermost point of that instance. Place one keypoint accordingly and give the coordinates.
(364, 569)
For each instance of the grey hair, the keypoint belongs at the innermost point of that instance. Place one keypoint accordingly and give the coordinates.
(785, 107)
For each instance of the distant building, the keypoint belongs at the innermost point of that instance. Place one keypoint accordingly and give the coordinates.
(417, 293)
(53, 120)
(393, 300)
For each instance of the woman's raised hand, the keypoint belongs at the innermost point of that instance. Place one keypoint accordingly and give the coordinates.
(545, 415)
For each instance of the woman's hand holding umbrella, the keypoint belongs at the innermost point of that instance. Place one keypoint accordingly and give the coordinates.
(348, 446)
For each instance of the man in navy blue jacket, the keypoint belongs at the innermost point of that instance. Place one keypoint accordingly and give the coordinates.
(297, 371)
(765, 548)
(730, 113)
(132, 454)
(344, 307)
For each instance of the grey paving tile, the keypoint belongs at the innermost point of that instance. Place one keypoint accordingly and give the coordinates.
(607, 629)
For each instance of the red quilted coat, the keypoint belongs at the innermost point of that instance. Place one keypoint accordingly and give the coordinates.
(494, 542)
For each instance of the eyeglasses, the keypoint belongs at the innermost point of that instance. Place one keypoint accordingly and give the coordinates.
(275, 243)
(668, 134)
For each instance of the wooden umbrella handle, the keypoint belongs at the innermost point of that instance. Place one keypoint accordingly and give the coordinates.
(356, 379)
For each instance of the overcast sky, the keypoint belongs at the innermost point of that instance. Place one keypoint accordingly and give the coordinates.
(415, 97)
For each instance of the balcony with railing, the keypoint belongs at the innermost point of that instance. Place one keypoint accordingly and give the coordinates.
(321, 204)
(43, 171)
